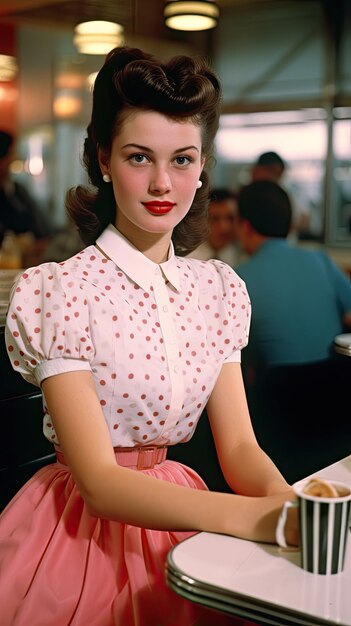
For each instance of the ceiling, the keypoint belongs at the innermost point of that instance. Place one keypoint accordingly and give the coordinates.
(138, 17)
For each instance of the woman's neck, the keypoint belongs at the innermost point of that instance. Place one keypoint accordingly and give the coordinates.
(155, 246)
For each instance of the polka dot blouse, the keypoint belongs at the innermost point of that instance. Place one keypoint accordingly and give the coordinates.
(154, 336)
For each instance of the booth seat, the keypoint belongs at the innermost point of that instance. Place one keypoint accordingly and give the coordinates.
(301, 415)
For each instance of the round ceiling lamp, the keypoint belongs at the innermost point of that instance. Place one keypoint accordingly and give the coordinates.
(192, 16)
(8, 67)
(67, 105)
(97, 37)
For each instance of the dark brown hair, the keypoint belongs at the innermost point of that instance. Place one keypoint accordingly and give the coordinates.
(183, 88)
(267, 207)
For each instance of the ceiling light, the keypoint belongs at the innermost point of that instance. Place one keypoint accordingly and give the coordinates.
(8, 67)
(66, 105)
(97, 37)
(187, 15)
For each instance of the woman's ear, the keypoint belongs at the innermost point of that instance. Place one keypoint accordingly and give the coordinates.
(103, 158)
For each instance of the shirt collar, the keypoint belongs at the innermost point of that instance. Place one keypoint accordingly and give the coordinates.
(273, 242)
(134, 263)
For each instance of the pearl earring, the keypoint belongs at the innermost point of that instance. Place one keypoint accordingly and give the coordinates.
(106, 178)
(199, 184)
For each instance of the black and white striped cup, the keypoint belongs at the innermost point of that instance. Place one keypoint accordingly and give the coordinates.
(324, 528)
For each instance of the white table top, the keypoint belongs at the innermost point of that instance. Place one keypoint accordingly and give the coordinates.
(261, 581)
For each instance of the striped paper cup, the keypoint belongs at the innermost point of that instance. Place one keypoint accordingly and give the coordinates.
(324, 527)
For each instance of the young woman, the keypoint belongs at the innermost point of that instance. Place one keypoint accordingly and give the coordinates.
(129, 343)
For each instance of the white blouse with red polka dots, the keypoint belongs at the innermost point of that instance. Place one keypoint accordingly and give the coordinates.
(154, 336)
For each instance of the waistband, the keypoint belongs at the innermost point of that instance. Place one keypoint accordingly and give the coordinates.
(141, 458)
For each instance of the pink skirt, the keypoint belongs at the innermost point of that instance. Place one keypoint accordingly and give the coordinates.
(60, 566)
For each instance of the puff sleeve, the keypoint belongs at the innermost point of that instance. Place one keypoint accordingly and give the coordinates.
(227, 308)
(47, 327)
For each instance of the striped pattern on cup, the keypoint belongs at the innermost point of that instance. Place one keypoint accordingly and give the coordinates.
(324, 527)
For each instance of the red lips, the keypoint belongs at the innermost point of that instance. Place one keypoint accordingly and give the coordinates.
(158, 208)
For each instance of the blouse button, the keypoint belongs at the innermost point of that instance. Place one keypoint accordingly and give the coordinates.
(176, 369)
(157, 271)
(165, 308)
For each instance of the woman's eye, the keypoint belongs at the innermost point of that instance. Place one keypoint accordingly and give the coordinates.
(137, 158)
(183, 160)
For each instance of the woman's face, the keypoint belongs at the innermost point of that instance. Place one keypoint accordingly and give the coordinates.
(155, 164)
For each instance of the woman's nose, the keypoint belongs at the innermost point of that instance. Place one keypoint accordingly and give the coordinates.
(160, 181)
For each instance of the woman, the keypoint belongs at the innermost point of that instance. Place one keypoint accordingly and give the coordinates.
(129, 343)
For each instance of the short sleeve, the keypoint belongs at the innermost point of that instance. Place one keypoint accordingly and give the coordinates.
(226, 304)
(47, 327)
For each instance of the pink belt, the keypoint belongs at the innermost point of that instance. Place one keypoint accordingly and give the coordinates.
(145, 457)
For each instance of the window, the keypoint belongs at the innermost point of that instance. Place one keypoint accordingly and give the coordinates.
(299, 137)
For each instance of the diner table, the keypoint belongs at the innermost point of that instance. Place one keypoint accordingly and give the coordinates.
(261, 582)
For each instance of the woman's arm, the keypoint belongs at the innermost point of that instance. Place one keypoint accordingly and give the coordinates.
(133, 497)
(246, 467)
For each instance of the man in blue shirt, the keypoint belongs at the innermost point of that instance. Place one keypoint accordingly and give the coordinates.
(300, 298)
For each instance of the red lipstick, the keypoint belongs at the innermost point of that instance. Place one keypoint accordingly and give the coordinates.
(158, 208)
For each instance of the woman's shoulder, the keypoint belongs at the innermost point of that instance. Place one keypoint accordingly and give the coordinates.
(224, 303)
(53, 272)
(213, 271)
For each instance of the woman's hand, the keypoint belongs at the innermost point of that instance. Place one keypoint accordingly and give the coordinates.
(256, 518)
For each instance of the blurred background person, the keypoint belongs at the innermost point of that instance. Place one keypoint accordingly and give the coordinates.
(300, 298)
(222, 241)
(271, 166)
(19, 213)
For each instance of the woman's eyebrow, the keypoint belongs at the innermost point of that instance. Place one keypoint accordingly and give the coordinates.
(147, 149)
(186, 148)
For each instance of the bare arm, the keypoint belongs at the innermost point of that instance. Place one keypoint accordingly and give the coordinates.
(246, 467)
(123, 494)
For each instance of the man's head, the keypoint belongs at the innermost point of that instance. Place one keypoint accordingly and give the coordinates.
(269, 166)
(264, 212)
(223, 218)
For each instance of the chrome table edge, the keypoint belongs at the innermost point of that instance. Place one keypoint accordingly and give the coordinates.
(234, 603)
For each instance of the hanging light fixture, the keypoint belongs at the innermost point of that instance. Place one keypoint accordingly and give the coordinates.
(8, 67)
(188, 15)
(97, 37)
